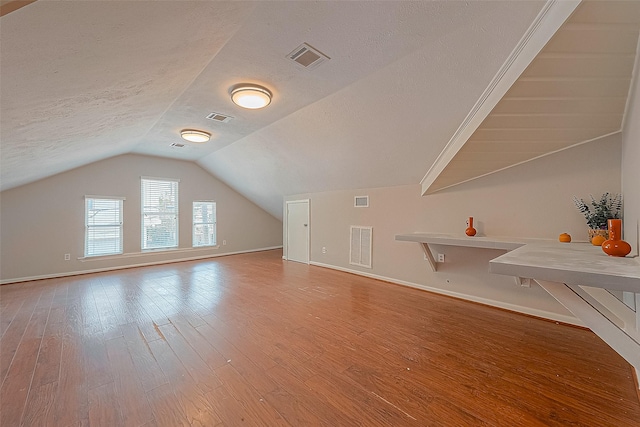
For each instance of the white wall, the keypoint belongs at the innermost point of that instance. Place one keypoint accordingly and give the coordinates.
(530, 200)
(42, 221)
(631, 171)
(631, 162)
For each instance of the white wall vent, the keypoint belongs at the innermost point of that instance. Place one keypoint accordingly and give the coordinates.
(360, 252)
(307, 57)
(177, 145)
(217, 117)
(361, 202)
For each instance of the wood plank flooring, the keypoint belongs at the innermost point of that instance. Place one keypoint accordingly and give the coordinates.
(252, 340)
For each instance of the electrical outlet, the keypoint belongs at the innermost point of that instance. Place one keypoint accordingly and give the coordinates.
(224, 242)
(67, 257)
(324, 250)
(440, 257)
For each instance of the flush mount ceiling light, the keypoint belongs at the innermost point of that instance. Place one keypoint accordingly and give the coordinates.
(250, 96)
(192, 135)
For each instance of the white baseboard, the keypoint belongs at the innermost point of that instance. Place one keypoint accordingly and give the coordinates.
(122, 267)
(493, 303)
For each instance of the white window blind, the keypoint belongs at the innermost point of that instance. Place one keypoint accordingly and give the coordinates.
(159, 213)
(103, 226)
(204, 223)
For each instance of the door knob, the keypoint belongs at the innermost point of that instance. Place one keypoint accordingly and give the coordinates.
(306, 225)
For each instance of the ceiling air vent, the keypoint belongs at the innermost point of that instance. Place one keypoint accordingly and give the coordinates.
(217, 117)
(177, 145)
(307, 57)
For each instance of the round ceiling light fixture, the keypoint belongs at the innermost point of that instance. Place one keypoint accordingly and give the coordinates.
(193, 135)
(250, 96)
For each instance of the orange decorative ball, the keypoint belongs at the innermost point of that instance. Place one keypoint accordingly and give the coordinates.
(598, 240)
(564, 238)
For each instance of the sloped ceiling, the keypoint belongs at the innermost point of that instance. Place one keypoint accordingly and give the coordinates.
(574, 91)
(86, 80)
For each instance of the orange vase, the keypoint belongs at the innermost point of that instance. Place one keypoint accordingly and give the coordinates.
(615, 246)
(470, 231)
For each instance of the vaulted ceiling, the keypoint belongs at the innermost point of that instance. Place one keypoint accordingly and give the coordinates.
(82, 81)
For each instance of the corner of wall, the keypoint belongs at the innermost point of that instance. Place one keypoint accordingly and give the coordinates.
(630, 161)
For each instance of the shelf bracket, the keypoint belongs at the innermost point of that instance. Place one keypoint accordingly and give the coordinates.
(429, 256)
(609, 326)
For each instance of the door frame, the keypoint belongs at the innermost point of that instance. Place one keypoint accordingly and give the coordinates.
(286, 228)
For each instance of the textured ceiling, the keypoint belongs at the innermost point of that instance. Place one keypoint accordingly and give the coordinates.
(85, 80)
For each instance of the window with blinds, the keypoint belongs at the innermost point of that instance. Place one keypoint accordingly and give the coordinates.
(204, 223)
(103, 226)
(159, 213)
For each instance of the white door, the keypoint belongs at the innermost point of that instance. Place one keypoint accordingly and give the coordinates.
(298, 231)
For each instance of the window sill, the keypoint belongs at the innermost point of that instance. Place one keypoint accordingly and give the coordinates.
(148, 253)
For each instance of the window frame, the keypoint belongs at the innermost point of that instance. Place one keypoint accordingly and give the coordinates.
(88, 227)
(194, 223)
(160, 213)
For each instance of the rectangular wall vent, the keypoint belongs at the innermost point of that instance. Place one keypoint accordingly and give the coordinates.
(360, 251)
(177, 145)
(217, 117)
(307, 57)
(361, 202)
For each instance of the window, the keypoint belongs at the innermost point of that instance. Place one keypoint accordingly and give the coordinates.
(204, 224)
(159, 213)
(103, 226)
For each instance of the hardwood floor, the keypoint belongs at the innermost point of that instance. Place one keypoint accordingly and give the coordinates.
(254, 340)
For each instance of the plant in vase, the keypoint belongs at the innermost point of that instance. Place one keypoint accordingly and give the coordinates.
(598, 212)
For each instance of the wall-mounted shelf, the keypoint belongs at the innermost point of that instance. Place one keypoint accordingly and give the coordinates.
(426, 239)
(570, 263)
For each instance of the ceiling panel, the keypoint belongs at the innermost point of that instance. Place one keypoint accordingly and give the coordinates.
(612, 105)
(571, 88)
(578, 38)
(572, 135)
(551, 120)
(516, 146)
(574, 91)
(581, 65)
